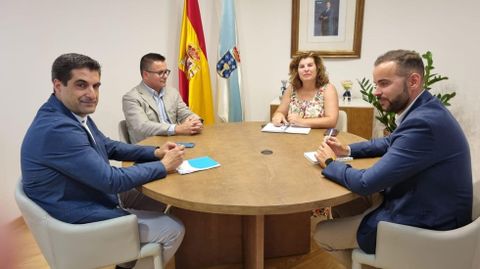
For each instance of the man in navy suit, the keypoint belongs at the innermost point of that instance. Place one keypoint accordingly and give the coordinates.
(424, 171)
(65, 161)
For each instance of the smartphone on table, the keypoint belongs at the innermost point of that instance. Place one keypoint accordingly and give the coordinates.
(331, 132)
(186, 144)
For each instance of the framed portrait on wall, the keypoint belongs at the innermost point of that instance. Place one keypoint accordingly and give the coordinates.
(333, 27)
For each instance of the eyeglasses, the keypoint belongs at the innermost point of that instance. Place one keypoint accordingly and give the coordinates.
(161, 73)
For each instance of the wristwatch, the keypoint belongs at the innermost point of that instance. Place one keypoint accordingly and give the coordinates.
(328, 161)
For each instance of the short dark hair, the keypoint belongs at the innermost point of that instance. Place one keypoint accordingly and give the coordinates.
(148, 59)
(65, 63)
(408, 61)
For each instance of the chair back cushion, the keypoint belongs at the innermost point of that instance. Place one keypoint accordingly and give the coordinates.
(400, 246)
(342, 121)
(123, 132)
(37, 221)
(80, 246)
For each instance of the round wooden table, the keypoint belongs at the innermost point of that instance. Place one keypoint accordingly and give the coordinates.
(250, 182)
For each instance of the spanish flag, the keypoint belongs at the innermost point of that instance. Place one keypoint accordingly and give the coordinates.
(193, 70)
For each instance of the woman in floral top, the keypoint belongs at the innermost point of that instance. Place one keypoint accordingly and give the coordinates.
(310, 100)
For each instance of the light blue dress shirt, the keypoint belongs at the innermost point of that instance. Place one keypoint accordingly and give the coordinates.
(158, 97)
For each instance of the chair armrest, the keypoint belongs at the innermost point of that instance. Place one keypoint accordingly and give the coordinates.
(410, 247)
(117, 239)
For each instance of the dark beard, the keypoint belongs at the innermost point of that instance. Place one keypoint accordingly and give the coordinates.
(400, 102)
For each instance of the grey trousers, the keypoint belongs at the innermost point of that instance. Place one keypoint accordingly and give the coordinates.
(153, 224)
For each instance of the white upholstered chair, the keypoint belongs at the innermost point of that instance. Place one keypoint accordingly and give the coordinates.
(91, 245)
(123, 132)
(342, 121)
(404, 247)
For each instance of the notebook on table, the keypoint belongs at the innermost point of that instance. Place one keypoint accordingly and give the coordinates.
(310, 155)
(197, 164)
(285, 129)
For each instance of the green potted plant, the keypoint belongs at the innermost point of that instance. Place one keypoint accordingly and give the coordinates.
(388, 118)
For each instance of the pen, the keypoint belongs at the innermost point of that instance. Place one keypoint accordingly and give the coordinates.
(330, 132)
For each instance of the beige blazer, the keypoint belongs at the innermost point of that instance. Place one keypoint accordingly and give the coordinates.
(143, 118)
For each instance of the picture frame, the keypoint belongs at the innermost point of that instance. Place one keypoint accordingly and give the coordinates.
(332, 27)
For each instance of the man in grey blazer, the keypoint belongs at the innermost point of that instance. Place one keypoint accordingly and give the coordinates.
(151, 108)
(424, 172)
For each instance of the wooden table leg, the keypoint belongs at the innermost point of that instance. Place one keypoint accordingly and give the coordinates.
(253, 241)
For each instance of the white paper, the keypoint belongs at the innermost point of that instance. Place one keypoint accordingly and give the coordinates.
(274, 129)
(201, 163)
(297, 130)
(285, 129)
(310, 155)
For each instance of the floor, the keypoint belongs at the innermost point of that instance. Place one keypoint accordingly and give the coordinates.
(29, 256)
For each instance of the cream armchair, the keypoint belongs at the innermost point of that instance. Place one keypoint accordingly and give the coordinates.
(404, 247)
(342, 121)
(123, 132)
(82, 246)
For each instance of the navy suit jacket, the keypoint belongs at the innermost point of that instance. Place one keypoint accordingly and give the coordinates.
(69, 175)
(424, 173)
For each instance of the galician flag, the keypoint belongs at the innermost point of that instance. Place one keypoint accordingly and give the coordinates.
(229, 95)
(193, 72)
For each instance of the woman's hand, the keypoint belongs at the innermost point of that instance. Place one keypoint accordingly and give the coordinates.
(295, 120)
(279, 119)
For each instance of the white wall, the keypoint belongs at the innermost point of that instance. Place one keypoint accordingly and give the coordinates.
(118, 32)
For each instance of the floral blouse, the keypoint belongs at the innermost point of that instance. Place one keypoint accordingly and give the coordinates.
(307, 108)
